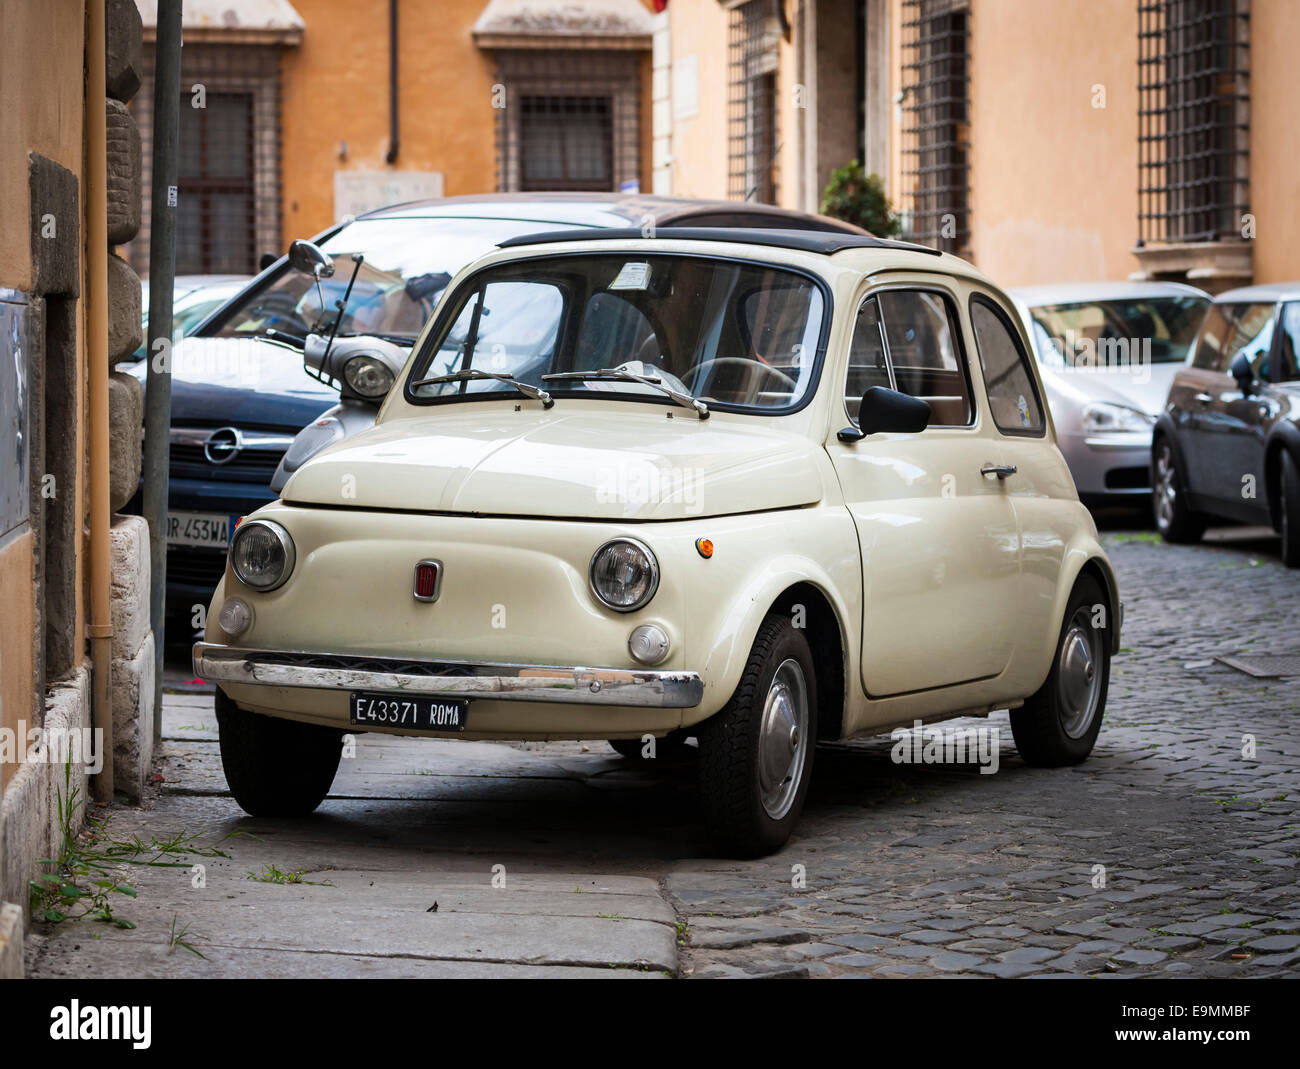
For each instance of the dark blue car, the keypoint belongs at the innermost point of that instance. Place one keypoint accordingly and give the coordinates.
(239, 391)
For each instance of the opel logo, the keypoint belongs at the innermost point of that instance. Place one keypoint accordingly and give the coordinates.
(222, 446)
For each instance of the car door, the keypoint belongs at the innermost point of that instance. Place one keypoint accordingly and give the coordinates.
(1221, 435)
(938, 540)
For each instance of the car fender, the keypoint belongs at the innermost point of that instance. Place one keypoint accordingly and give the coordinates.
(1284, 435)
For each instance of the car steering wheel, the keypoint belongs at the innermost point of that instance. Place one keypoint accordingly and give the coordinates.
(691, 375)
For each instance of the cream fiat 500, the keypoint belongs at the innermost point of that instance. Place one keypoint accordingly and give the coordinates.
(758, 488)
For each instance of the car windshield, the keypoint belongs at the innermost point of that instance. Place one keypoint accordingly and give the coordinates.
(407, 264)
(730, 334)
(1103, 333)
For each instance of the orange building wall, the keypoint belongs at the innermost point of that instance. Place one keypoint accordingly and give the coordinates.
(43, 113)
(1275, 139)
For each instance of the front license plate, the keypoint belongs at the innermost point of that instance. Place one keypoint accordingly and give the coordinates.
(208, 529)
(411, 711)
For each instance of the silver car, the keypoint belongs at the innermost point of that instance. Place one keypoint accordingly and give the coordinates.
(1107, 352)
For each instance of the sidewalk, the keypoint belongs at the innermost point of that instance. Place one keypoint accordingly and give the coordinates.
(387, 879)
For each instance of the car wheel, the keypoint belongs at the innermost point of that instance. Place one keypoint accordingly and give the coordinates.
(1289, 510)
(670, 747)
(276, 768)
(1058, 725)
(756, 755)
(1174, 520)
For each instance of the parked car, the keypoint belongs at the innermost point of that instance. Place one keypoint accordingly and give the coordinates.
(240, 395)
(762, 488)
(194, 298)
(1227, 446)
(1107, 352)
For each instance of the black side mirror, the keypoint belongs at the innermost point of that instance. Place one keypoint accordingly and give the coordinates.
(1241, 370)
(308, 258)
(883, 410)
(266, 260)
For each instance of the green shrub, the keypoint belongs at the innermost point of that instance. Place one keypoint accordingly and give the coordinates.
(859, 198)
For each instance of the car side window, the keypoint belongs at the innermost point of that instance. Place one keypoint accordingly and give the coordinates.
(1289, 358)
(923, 346)
(1230, 329)
(867, 366)
(1013, 399)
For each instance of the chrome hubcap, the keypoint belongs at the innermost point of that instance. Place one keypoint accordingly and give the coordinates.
(783, 739)
(1165, 489)
(1079, 668)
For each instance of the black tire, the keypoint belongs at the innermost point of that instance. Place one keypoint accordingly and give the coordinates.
(671, 747)
(1174, 519)
(276, 768)
(731, 781)
(1044, 728)
(1288, 503)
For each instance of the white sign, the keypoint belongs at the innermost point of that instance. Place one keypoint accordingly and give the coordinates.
(363, 191)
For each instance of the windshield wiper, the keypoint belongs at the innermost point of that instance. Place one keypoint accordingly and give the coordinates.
(527, 389)
(615, 374)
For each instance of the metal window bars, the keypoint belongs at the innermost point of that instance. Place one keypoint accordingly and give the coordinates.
(753, 141)
(1193, 120)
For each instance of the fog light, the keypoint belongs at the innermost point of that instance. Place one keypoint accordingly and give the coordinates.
(235, 617)
(648, 644)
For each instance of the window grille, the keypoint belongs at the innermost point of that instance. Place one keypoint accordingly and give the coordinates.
(935, 131)
(752, 135)
(1193, 119)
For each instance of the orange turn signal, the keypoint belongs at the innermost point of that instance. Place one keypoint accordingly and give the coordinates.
(704, 547)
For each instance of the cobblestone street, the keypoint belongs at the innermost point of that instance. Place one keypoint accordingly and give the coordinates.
(907, 870)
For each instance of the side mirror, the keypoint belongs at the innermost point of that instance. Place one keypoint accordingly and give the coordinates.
(1241, 370)
(308, 258)
(885, 410)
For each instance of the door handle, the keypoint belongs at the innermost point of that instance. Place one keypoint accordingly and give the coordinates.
(1203, 398)
(1000, 470)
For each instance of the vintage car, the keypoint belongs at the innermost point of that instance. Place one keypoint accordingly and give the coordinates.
(759, 488)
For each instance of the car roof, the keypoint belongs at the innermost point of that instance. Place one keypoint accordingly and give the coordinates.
(1269, 292)
(1076, 292)
(826, 243)
(618, 210)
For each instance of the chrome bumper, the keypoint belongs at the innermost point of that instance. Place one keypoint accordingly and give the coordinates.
(641, 688)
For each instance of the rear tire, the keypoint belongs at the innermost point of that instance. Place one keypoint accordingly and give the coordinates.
(1289, 510)
(669, 748)
(1175, 520)
(756, 755)
(276, 768)
(1059, 724)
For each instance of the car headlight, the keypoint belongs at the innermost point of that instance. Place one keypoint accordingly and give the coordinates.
(1103, 417)
(624, 574)
(261, 554)
(368, 375)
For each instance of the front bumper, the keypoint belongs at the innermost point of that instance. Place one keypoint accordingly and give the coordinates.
(627, 687)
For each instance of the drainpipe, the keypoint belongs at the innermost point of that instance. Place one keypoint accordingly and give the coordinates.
(101, 620)
(394, 141)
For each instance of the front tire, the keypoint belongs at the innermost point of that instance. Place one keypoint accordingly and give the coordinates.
(1289, 510)
(276, 768)
(1059, 724)
(756, 755)
(1175, 520)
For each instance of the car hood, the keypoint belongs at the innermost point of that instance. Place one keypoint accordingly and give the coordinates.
(243, 382)
(633, 465)
(1141, 387)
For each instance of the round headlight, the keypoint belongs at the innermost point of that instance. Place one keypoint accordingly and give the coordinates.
(624, 574)
(261, 554)
(368, 375)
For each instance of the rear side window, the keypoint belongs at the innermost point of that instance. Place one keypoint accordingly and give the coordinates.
(924, 352)
(1013, 400)
(1230, 329)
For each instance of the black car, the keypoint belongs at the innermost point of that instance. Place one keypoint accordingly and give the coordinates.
(1227, 446)
(239, 390)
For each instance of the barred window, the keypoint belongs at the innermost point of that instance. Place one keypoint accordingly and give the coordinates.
(1193, 129)
(752, 139)
(936, 123)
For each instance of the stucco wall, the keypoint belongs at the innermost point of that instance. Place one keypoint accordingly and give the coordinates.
(1275, 138)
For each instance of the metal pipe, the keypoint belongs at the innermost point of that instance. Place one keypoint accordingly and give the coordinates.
(394, 140)
(96, 186)
(162, 274)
